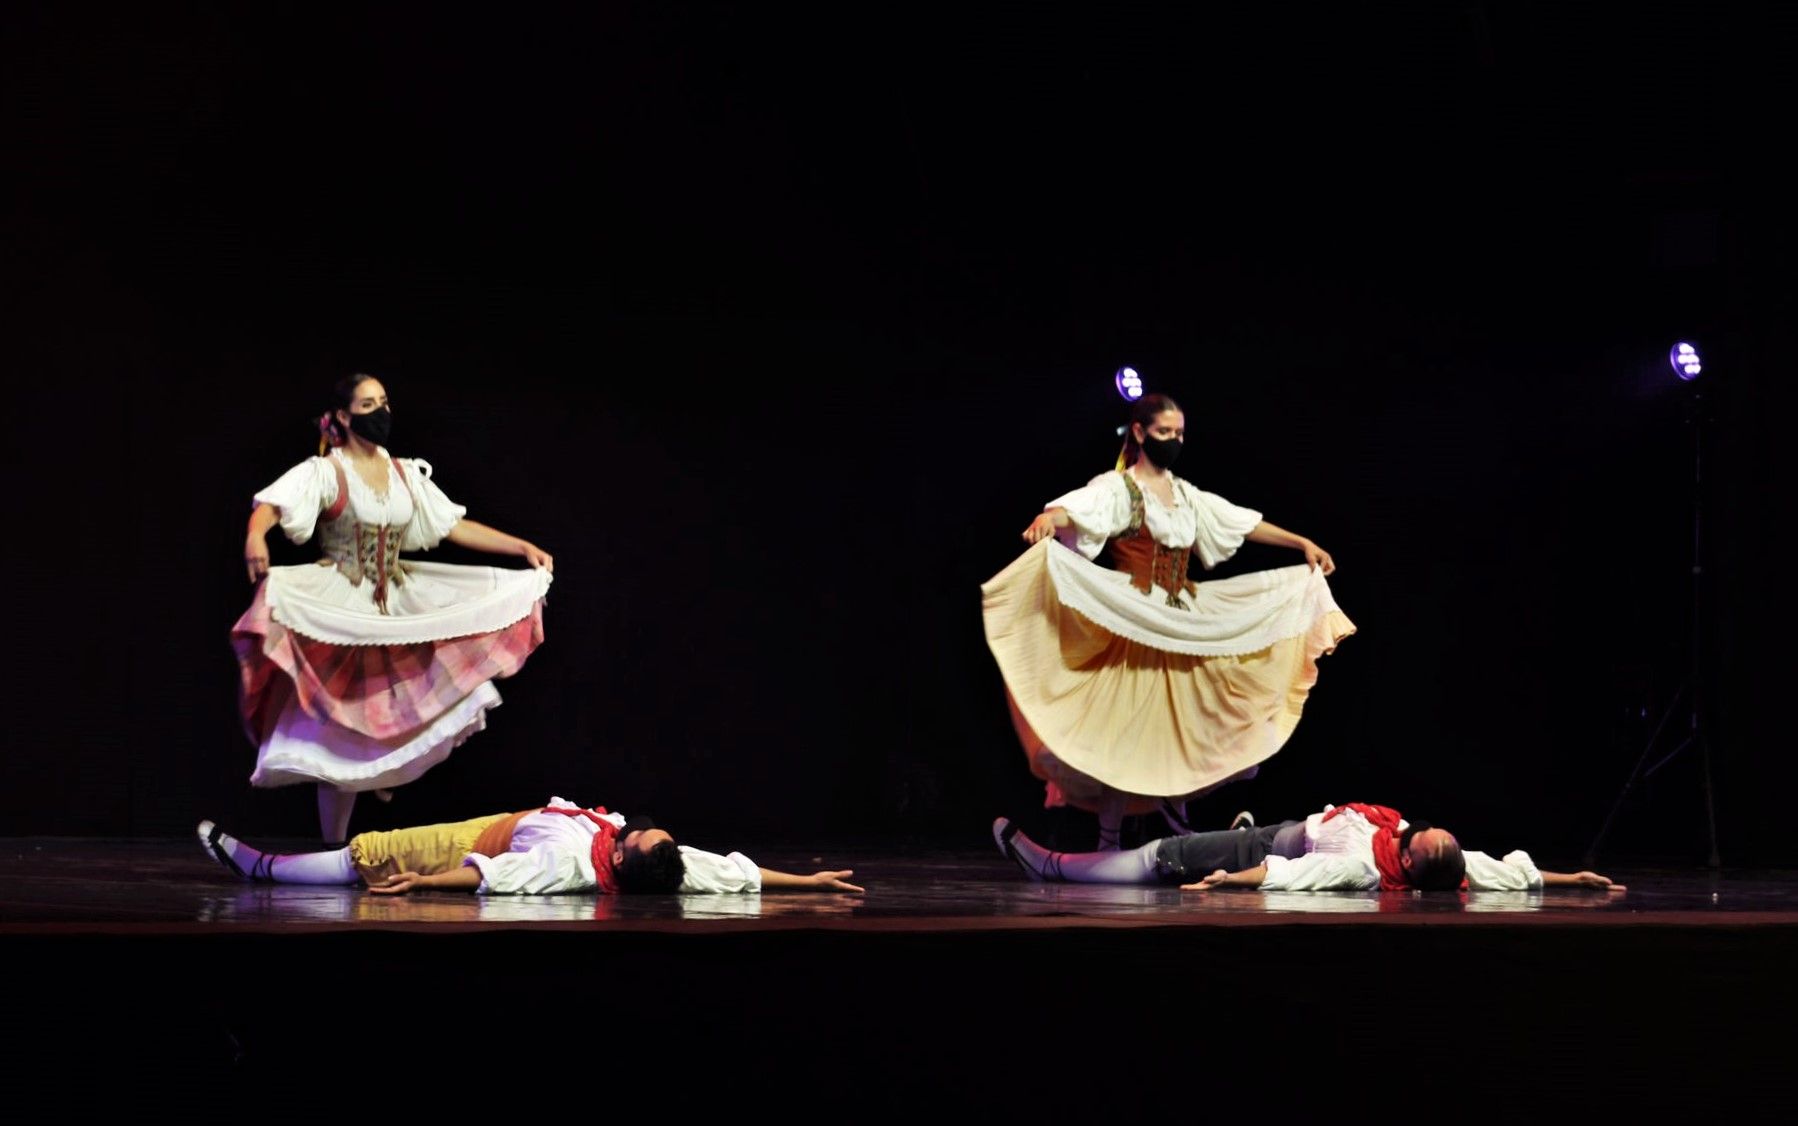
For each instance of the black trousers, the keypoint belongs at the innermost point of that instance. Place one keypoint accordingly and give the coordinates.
(1181, 860)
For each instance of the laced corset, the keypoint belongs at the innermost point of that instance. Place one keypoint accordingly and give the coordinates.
(366, 550)
(1148, 561)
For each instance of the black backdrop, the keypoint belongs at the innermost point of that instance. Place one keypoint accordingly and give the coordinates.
(776, 329)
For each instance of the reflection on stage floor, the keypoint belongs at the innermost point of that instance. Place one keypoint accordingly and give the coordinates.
(78, 884)
(953, 982)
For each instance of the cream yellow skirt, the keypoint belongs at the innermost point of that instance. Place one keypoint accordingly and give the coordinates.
(1112, 688)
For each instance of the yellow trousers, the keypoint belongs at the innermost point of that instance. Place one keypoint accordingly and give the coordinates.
(425, 849)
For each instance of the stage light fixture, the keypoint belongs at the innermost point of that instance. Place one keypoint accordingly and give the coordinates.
(1685, 361)
(1129, 383)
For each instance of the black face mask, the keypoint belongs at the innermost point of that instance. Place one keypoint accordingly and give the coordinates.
(1161, 452)
(373, 426)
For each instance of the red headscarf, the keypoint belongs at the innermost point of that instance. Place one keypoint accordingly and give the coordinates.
(1385, 819)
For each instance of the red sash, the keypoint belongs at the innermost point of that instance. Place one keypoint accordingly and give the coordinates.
(1385, 819)
(602, 844)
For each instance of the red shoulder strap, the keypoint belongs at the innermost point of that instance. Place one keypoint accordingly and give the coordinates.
(343, 493)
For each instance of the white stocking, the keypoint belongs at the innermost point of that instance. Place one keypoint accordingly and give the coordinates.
(333, 867)
(1111, 867)
(1111, 820)
(334, 808)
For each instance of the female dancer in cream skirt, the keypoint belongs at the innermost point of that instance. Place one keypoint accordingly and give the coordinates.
(1132, 688)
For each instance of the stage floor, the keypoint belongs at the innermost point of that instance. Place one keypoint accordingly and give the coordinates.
(953, 984)
(171, 886)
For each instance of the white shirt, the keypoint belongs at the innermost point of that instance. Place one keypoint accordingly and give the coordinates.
(1212, 526)
(1339, 857)
(552, 854)
(302, 493)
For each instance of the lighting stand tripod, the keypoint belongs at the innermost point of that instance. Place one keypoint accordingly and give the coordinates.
(1691, 690)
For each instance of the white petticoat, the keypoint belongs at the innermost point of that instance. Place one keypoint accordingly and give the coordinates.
(437, 602)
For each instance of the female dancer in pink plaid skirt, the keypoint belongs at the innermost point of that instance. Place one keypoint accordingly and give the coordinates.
(364, 670)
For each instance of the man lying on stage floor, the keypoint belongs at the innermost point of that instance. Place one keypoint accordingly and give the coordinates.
(1355, 847)
(550, 850)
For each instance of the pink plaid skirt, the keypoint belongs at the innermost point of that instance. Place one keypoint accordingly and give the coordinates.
(386, 709)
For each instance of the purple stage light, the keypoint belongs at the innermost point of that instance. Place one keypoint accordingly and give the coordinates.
(1129, 383)
(1684, 359)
